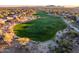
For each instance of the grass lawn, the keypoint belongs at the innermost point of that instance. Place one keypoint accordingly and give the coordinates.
(41, 29)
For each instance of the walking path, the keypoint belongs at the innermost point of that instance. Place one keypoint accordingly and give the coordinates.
(71, 26)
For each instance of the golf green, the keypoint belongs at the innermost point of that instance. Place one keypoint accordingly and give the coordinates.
(41, 29)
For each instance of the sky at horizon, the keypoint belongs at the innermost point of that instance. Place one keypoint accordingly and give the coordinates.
(71, 3)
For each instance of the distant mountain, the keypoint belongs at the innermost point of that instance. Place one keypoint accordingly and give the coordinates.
(53, 6)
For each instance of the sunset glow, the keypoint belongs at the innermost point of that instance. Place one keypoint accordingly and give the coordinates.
(42, 2)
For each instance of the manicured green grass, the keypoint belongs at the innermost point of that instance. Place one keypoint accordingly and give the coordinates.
(41, 29)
